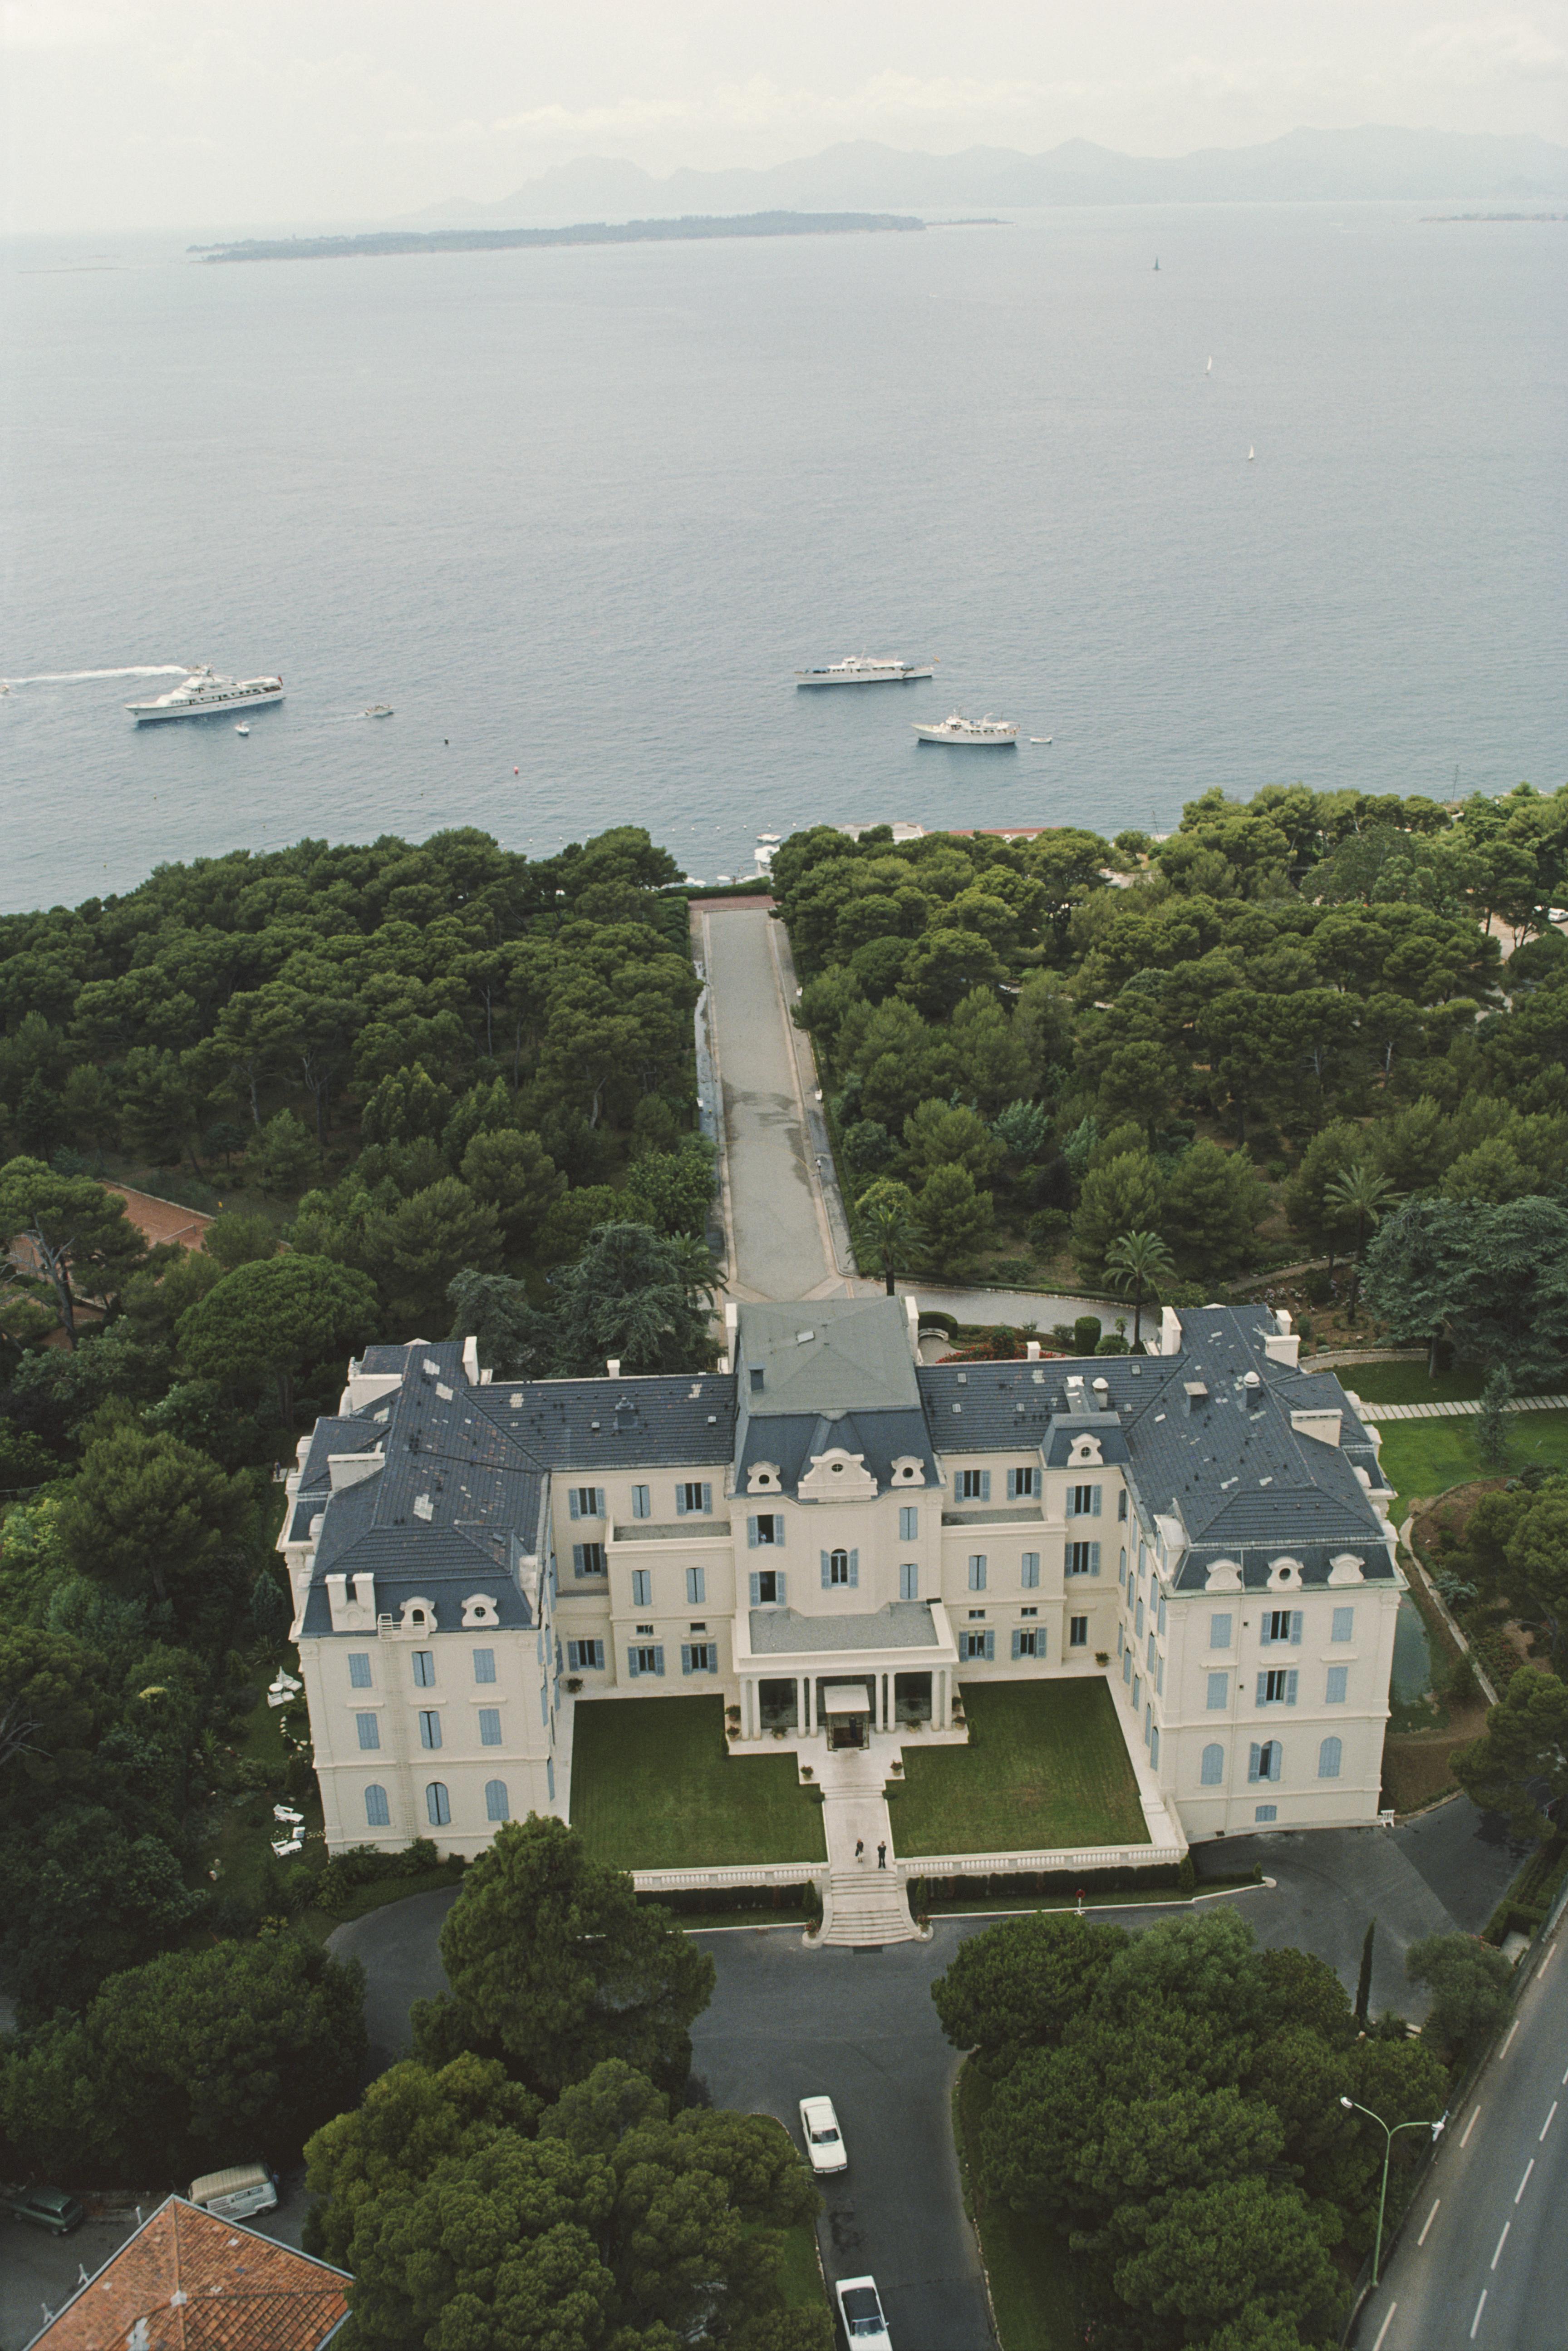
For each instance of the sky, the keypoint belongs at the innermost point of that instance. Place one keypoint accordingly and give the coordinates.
(121, 114)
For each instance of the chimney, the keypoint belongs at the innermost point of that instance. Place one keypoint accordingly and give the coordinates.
(1075, 1391)
(1031, 1351)
(612, 1365)
(355, 1615)
(1170, 1332)
(471, 1360)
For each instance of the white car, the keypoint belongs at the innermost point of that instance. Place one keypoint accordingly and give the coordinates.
(824, 2143)
(860, 2307)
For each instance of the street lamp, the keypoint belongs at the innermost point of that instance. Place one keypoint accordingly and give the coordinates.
(1436, 2130)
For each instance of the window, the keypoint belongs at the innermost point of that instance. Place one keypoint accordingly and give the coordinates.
(1219, 1693)
(370, 1732)
(1137, 1690)
(429, 1728)
(377, 1811)
(1122, 1505)
(974, 1486)
(699, 1657)
(490, 1725)
(1122, 1569)
(1282, 1624)
(359, 1670)
(642, 1503)
(766, 1527)
(1159, 1677)
(645, 1661)
(1211, 1767)
(437, 1805)
(1329, 1757)
(977, 1615)
(588, 1559)
(1278, 1688)
(1148, 1723)
(909, 1579)
(977, 1571)
(484, 1665)
(694, 1500)
(1029, 1571)
(1154, 1745)
(1267, 1762)
(908, 1523)
(1028, 1641)
(641, 1587)
(1083, 1502)
(585, 1657)
(1028, 1611)
(496, 1807)
(1022, 1482)
(424, 1669)
(646, 1628)
(586, 1501)
(1126, 1664)
(1267, 1813)
(549, 1777)
(1121, 1640)
(696, 1586)
(1082, 1559)
(1138, 1620)
(840, 1567)
(976, 1644)
(1338, 1689)
(1343, 1624)
(1149, 1659)
(759, 1371)
(768, 1588)
(1078, 1633)
(1220, 1631)
(1162, 1612)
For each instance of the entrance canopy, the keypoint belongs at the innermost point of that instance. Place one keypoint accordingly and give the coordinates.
(845, 1698)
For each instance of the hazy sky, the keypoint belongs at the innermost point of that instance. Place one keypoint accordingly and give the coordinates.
(124, 113)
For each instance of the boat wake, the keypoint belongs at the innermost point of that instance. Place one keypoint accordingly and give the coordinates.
(80, 677)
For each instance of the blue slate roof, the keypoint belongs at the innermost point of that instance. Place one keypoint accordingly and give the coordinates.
(790, 1440)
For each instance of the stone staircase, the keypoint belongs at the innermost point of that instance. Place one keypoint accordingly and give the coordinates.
(867, 1906)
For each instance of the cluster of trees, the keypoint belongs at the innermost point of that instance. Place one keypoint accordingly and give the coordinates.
(539, 2169)
(1171, 2101)
(1038, 1029)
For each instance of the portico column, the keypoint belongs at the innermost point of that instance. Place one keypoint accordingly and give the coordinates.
(887, 1701)
(800, 1705)
(941, 1722)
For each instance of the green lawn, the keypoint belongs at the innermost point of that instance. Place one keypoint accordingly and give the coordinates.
(654, 1788)
(1045, 1766)
(1427, 1456)
(1407, 1383)
(1027, 2266)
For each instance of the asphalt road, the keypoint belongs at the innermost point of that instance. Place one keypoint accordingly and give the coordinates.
(1484, 2258)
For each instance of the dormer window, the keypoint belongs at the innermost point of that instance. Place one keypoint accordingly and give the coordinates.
(418, 1617)
(479, 1608)
(908, 1470)
(763, 1477)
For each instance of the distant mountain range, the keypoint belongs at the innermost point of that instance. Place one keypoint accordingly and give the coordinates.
(1418, 166)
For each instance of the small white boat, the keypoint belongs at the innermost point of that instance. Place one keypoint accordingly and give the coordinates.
(377, 710)
(242, 730)
(1251, 454)
(1208, 368)
(1040, 738)
(993, 734)
(774, 837)
(865, 669)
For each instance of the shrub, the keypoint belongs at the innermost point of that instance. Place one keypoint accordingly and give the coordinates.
(1318, 1289)
(1086, 1334)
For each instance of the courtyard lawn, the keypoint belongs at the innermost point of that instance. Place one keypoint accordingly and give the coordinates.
(1045, 1766)
(1427, 1456)
(1407, 1383)
(654, 1788)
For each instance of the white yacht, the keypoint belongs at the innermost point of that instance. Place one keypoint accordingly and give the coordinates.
(995, 733)
(203, 691)
(865, 669)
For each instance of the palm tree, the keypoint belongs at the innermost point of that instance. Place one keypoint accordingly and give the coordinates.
(886, 1216)
(1362, 1193)
(1139, 1261)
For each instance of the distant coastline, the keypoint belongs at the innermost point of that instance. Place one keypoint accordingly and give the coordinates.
(475, 240)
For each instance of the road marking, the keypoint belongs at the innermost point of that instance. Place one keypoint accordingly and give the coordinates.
(1508, 2036)
(1501, 2243)
(1425, 2225)
(1474, 2119)
(1546, 2126)
(1525, 2181)
(1477, 2319)
(1546, 1962)
(1385, 2327)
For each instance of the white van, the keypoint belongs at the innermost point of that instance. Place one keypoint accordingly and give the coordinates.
(235, 2195)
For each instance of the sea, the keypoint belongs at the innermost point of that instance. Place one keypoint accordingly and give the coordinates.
(1291, 506)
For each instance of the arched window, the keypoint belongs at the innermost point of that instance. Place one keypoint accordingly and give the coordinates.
(1329, 1757)
(839, 1567)
(497, 1808)
(378, 1814)
(1211, 1772)
(437, 1805)
(1267, 1762)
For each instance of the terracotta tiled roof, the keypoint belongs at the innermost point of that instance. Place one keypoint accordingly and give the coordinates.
(201, 2285)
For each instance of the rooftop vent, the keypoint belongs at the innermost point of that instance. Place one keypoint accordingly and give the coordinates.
(802, 1336)
(1101, 1387)
(756, 1377)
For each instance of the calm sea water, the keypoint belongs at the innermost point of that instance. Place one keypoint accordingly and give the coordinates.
(578, 515)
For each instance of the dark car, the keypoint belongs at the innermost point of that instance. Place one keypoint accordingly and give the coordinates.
(46, 2208)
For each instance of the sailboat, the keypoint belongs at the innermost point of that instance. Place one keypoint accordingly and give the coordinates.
(1209, 368)
(1251, 453)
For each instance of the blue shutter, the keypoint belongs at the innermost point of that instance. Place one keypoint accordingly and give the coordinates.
(1013, 1488)
(1255, 1761)
(378, 1813)
(854, 1568)
(984, 1485)
(1296, 1627)
(370, 1734)
(1343, 1624)
(490, 1725)
(1211, 1771)
(990, 1647)
(680, 1501)
(778, 1586)
(1329, 1757)
(1121, 1504)
(659, 1661)
(686, 1664)
(756, 1590)
(1218, 1691)
(1262, 1687)
(751, 1535)
(1291, 1681)
(827, 1571)
(1094, 1555)
(359, 1671)
(642, 1503)
(496, 1807)
(1030, 1571)
(1220, 1631)
(1162, 1612)
(577, 1566)
(572, 1502)
(707, 1500)
(634, 1668)
(1018, 1645)
(696, 1586)
(1339, 1686)
(1094, 1494)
